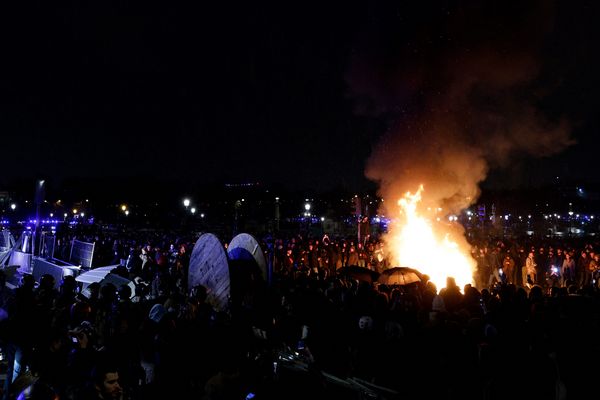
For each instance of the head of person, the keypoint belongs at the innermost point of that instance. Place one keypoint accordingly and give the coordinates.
(365, 323)
(28, 281)
(108, 292)
(124, 292)
(451, 283)
(106, 380)
(83, 334)
(199, 293)
(94, 289)
(47, 282)
(68, 284)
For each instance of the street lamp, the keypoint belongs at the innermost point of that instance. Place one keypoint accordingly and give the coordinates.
(193, 210)
(13, 206)
(307, 214)
(186, 202)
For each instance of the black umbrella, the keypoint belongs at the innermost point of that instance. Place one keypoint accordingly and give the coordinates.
(360, 273)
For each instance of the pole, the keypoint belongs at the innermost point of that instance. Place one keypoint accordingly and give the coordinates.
(270, 255)
(277, 215)
(39, 199)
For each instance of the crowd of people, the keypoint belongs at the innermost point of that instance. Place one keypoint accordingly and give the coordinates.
(526, 327)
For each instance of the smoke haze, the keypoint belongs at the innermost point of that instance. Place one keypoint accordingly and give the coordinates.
(462, 91)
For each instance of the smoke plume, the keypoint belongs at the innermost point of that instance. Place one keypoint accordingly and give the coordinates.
(462, 88)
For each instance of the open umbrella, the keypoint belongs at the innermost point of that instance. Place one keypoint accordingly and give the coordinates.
(103, 275)
(399, 276)
(360, 273)
(94, 275)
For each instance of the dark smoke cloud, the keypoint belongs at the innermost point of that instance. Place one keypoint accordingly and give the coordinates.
(461, 86)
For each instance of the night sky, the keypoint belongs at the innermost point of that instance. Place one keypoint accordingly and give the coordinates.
(307, 95)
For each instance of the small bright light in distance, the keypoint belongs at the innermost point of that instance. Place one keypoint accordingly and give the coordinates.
(13, 206)
(123, 207)
(307, 206)
(51, 215)
(202, 215)
(65, 215)
(193, 210)
(82, 214)
(186, 202)
(74, 211)
(322, 219)
(126, 212)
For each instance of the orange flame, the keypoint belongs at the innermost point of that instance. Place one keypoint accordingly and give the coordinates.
(415, 244)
